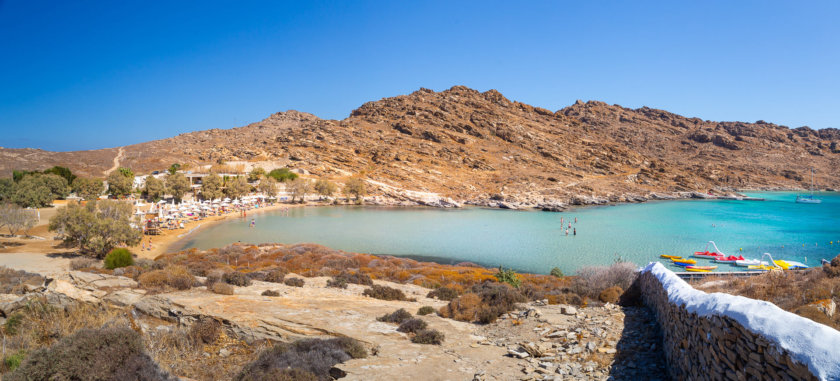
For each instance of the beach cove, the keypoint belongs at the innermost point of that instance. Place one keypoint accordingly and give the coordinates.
(536, 241)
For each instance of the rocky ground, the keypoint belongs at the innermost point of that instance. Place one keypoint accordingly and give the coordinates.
(539, 341)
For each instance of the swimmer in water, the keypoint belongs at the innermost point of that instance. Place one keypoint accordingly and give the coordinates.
(574, 231)
(567, 231)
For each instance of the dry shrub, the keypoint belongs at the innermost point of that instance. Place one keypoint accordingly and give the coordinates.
(221, 288)
(813, 313)
(92, 354)
(590, 281)
(294, 282)
(463, 308)
(82, 263)
(304, 359)
(275, 276)
(205, 331)
(15, 281)
(345, 277)
(412, 326)
(443, 293)
(610, 295)
(425, 310)
(337, 283)
(177, 277)
(428, 336)
(270, 293)
(832, 269)
(237, 279)
(384, 293)
(397, 316)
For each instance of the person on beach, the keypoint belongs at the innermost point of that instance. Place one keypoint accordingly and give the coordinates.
(143, 246)
(575, 219)
(574, 231)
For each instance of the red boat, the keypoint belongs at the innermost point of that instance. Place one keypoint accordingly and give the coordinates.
(730, 258)
(706, 254)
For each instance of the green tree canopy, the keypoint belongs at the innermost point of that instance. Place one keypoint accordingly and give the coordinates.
(325, 187)
(59, 187)
(174, 168)
(211, 187)
(153, 189)
(63, 172)
(256, 174)
(97, 227)
(88, 188)
(268, 186)
(237, 187)
(6, 188)
(121, 182)
(177, 185)
(356, 187)
(283, 174)
(33, 192)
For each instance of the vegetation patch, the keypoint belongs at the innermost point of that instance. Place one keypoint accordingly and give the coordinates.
(221, 288)
(294, 282)
(270, 293)
(175, 277)
(443, 293)
(119, 257)
(412, 326)
(425, 310)
(309, 359)
(610, 295)
(484, 304)
(205, 331)
(237, 279)
(15, 281)
(385, 293)
(397, 316)
(428, 336)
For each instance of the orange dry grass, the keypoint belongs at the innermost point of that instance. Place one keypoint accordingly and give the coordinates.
(315, 260)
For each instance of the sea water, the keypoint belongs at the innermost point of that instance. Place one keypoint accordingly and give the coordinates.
(535, 241)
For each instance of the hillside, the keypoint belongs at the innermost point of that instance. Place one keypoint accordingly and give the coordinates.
(470, 145)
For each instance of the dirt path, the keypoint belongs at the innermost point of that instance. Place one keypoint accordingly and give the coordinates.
(116, 161)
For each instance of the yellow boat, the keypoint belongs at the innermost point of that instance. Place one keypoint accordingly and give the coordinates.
(762, 267)
(670, 256)
(700, 269)
(784, 265)
(685, 261)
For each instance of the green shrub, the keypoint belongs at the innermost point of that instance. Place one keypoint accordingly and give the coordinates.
(412, 326)
(308, 359)
(557, 272)
(397, 316)
(294, 282)
(384, 293)
(508, 276)
(12, 324)
(119, 257)
(13, 361)
(425, 310)
(443, 293)
(270, 293)
(91, 354)
(237, 279)
(428, 336)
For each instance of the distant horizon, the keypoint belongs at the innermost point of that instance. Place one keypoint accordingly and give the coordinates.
(267, 115)
(93, 75)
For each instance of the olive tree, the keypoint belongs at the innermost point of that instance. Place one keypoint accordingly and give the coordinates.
(356, 187)
(299, 187)
(325, 188)
(121, 182)
(177, 185)
(256, 174)
(153, 189)
(211, 187)
(237, 187)
(96, 227)
(88, 188)
(6, 188)
(32, 192)
(15, 218)
(268, 186)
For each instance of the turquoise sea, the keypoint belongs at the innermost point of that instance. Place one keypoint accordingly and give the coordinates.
(536, 241)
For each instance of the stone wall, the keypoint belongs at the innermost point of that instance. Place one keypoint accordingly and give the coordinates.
(720, 337)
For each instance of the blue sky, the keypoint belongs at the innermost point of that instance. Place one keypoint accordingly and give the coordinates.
(87, 74)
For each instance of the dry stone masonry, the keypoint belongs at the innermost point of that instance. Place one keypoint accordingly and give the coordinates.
(725, 337)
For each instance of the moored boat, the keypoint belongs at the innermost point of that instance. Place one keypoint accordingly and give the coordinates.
(729, 259)
(670, 256)
(700, 269)
(706, 254)
(750, 262)
(684, 262)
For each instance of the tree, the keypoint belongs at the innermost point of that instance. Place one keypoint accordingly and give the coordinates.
(256, 174)
(18, 175)
(153, 189)
(174, 168)
(211, 187)
(121, 182)
(6, 188)
(63, 172)
(283, 174)
(299, 188)
(97, 227)
(268, 186)
(32, 192)
(237, 187)
(356, 187)
(15, 218)
(177, 185)
(325, 188)
(58, 185)
(88, 188)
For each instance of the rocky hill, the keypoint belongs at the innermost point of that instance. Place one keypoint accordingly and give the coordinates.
(474, 146)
